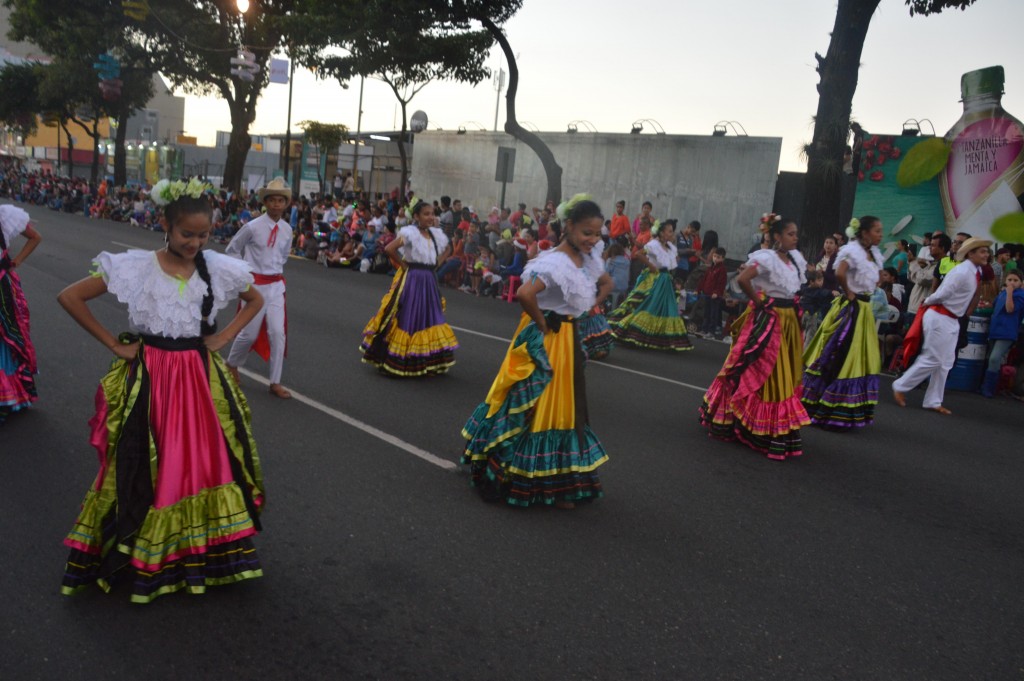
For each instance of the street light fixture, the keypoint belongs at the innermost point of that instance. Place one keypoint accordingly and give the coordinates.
(638, 126)
(912, 127)
(722, 127)
(587, 126)
(242, 5)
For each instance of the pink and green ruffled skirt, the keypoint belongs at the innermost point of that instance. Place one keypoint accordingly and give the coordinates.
(17, 354)
(756, 396)
(177, 499)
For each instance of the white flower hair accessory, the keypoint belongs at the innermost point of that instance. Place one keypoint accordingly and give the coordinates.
(565, 206)
(851, 229)
(165, 191)
(767, 220)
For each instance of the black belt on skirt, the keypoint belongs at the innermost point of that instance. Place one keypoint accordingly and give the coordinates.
(173, 344)
(555, 320)
(418, 266)
(783, 303)
(863, 297)
(663, 269)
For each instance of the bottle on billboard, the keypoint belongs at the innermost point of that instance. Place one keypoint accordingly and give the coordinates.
(984, 178)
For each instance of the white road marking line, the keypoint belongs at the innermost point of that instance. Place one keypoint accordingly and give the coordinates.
(594, 362)
(365, 427)
(127, 245)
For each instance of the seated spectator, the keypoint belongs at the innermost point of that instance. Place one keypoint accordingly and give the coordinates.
(484, 277)
(310, 245)
(349, 255)
(530, 237)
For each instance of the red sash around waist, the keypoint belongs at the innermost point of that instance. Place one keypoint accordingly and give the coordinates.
(263, 279)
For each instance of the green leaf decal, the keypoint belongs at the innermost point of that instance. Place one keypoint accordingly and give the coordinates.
(924, 161)
(1009, 228)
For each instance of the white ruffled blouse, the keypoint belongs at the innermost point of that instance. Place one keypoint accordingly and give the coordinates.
(861, 273)
(568, 289)
(162, 305)
(662, 255)
(13, 221)
(777, 278)
(420, 249)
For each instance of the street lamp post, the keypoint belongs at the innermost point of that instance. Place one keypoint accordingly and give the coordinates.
(288, 126)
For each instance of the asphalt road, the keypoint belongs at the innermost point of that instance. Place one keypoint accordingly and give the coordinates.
(892, 553)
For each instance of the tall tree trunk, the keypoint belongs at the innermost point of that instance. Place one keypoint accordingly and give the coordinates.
(402, 155)
(71, 149)
(94, 134)
(95, 171)
(838, 70)
(552, 170)
(238, 144)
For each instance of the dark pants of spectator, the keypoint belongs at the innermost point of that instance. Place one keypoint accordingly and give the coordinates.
(449, 266)
(712, 322)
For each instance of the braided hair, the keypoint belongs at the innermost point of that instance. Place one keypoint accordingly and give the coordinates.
(174, 211)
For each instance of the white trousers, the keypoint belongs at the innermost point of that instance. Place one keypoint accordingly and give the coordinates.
(273, 312)
(938, 354)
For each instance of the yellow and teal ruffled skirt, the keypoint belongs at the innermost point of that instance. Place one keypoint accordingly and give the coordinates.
(649, 316)
(529, 442)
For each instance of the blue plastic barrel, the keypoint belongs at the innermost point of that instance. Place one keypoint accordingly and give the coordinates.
(969, 369)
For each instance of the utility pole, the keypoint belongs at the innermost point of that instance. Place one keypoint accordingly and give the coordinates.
(359, 129)
(499, 85)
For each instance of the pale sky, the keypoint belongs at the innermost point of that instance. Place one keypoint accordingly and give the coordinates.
(686, 64)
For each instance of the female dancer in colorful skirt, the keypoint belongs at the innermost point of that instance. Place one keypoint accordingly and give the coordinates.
(756, 396)
(179, 490)
(409, 336)
(649, 316)
(529, 442)
(840, 384)
(17, 354)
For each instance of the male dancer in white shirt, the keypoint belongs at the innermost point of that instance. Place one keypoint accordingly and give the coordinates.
(956, 296)
(265, 243)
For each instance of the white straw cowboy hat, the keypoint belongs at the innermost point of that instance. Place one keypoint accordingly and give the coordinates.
(969, 245)
(276, 187)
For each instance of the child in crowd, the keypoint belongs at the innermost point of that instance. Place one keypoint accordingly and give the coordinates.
(485, 272)
(1007, 314)
(712, 288)
(815, 300)
(617, 266)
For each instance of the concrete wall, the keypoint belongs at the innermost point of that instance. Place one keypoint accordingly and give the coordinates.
(725, 182)
(162, 119)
